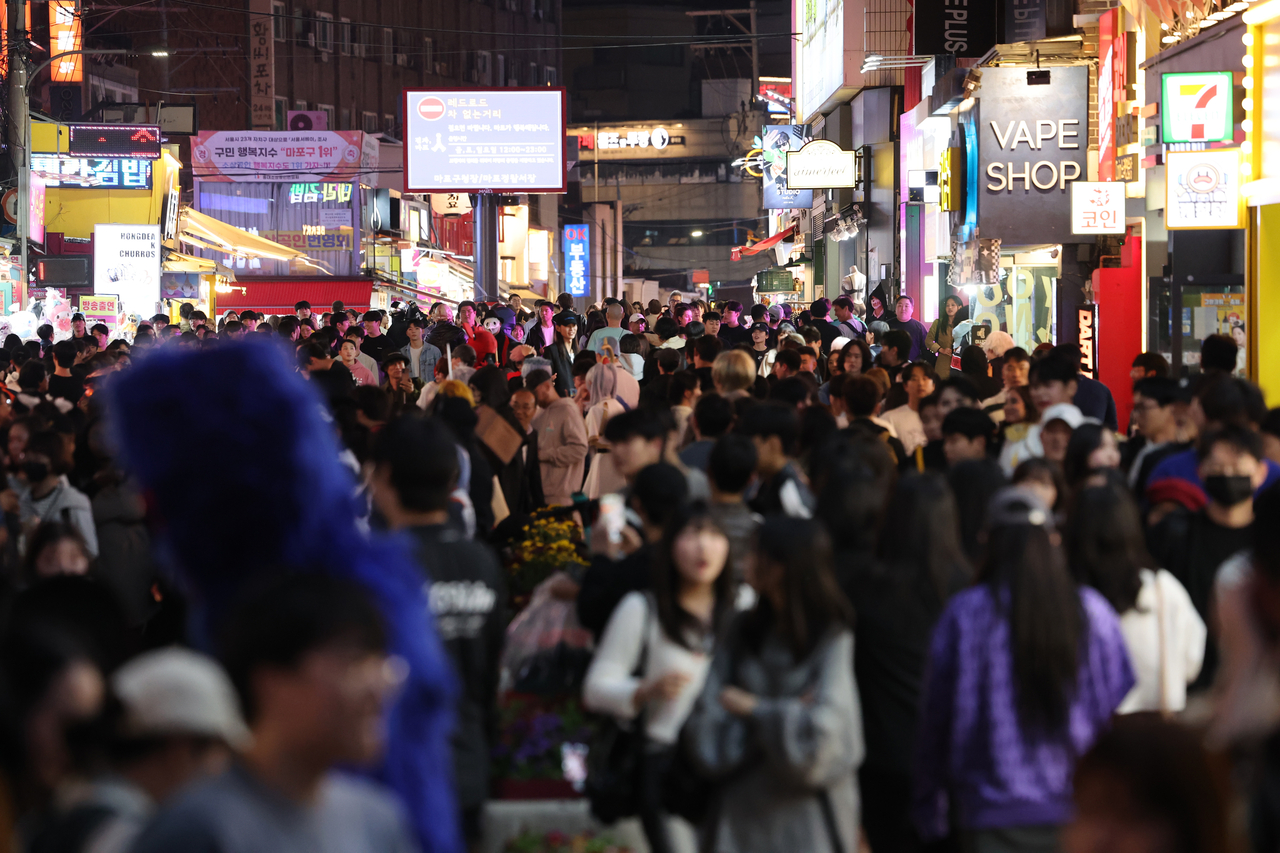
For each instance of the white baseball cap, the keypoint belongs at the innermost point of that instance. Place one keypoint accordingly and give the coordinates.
(1065, 412)
(176, 691)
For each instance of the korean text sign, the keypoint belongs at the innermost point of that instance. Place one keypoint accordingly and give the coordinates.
(283, 156)
(1097, 207)
(101, 308)
(577, 259)
(507, 140)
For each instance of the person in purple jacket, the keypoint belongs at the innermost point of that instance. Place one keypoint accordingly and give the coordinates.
(1025, 671)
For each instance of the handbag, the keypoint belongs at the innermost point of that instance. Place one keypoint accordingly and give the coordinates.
(615, 757)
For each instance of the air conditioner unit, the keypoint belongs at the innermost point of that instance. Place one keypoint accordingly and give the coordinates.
(402, 60)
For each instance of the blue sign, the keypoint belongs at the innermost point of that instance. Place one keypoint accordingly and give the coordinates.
(505, 140)
(92, 173)
(577, 259)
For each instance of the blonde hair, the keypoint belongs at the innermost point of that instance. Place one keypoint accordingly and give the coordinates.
(881, 377)
(455, 388)
(733, 371)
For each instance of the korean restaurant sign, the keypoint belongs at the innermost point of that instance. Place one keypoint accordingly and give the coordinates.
(577, 259)
(504, 140)
(1032, 144)
(1097, 207)
(251, 156)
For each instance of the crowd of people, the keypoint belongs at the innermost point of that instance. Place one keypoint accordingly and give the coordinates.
(853, 583)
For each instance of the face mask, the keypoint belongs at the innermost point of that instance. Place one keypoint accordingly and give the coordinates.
(1228, 490)
(493, 326)
(36, 472)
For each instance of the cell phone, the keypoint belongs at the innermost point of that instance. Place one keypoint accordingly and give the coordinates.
(612, 517)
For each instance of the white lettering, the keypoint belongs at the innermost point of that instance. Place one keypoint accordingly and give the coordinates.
(1063, 134)
(996, 170)
(1002, 138)
(1025, 174)
(1035, 175)
(1023, 135)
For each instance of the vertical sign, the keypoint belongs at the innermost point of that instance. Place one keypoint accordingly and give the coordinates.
(577, 259)
(1087, 325)
(64, 37)
(35, 220)
(262, 66)
(1025, 20)
(775, 141)
(1107, 96)
(964, 28)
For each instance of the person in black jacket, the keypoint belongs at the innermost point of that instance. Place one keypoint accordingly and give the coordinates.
(415, 471)
(561, 353)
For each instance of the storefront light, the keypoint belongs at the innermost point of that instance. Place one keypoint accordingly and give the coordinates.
(1247, 82)
(1246, 168)
(1208, 22)
(1247, 38)
(1262, 13)
(1169, 40)
(1247, 103)
(1247, 61)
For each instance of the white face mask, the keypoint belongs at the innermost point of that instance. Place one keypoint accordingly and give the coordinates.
(493, 324)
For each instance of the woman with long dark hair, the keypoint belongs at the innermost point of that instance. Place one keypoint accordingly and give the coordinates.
(940, 340)
(1162, 630)
(898, 599)
(1092, 450)
(778, 725)
(671, 630)
(1025, 670)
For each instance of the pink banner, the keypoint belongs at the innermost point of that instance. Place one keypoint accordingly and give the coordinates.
(281, 156)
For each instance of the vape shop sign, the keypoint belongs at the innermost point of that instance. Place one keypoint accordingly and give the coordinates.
(1033, 131)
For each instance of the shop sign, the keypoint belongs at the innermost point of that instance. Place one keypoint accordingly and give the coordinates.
(1202, 189)
(509, 140)
(1197, 107)
(819, 53)
(1087, 329)
(92, 173)
(114, 140)
(821, 164)
(101, 308)
(1097, 207)
(262, 65)
(450, 204)
(964, 28)
(775, 281)
(776, 144)
(303, 193)
(314, 239)
(35, 210)
(775, 92)
(951, 179)
(1031, 144)
(171, 201)
(283, 157)
(126, 262)
(1127, 168)
(577, 259)
(1107, 95)
(64, 37)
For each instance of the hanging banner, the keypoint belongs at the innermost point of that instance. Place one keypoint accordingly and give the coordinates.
(262, 66)
(64, 37)
(775, 143)
(248, 156)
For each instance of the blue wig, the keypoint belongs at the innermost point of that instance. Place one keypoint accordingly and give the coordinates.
(272, 494)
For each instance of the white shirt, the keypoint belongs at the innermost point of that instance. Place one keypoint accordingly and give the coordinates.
(1165, 637)
(906, 423)
(610, 685)
(414, 361)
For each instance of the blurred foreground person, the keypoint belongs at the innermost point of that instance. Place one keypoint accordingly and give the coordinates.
(308, 658)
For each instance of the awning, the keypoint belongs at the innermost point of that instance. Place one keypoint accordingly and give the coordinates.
(279, 295)
(178, 262)
(198, 229)
(738, 252)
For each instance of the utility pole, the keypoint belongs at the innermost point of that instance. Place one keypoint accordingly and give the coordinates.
(19, 133)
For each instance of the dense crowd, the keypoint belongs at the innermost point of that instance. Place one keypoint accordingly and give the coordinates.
(854, 581)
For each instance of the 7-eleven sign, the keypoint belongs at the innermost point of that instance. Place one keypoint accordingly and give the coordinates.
(1197, 107)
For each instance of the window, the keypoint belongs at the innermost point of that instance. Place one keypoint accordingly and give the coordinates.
(389, 125)
(388, 46)
(484, 68)
(548, 76)
(279, 21)
(369, 122)
(428, 55)
(344, 36)
(324, 31)
(301, 106)
(327, 109)
(361, 45)
(346, 120)
(282, 109)
(531, 75)
(501, 68)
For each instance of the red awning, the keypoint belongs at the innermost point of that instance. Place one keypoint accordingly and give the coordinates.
(279, 295)
(739, 251)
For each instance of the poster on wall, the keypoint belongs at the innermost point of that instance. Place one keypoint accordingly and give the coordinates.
(1202, 189)
(1033, 134)
(126, 262)
(774, 143)
(248, 156)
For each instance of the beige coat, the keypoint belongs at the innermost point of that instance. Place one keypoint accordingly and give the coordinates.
(562, 450)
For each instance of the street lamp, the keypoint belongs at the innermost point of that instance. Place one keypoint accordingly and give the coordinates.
(20, 123)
